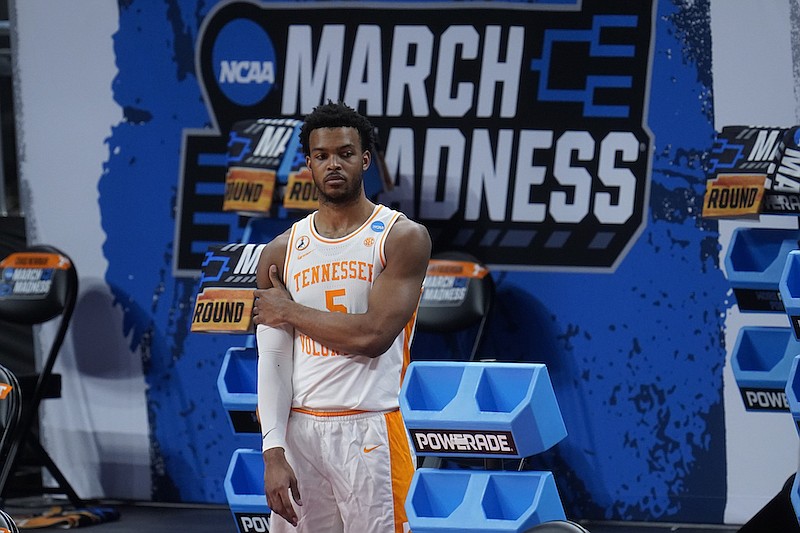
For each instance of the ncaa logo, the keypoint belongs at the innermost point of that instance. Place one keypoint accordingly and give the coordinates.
(245, 74)
(378, 226)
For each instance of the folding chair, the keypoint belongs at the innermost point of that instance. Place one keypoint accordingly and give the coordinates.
(458, 294)
(37, 285)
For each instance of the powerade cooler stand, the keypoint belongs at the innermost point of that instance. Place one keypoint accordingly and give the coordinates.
(480, 410)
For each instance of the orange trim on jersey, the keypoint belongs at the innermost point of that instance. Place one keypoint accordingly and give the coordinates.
(408, 336)
(378, 209)
(289, 248)
(411, 327)
(402, 467)
(327, 413)
(382, 243)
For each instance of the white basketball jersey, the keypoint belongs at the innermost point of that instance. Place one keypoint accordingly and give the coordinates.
(337, 275)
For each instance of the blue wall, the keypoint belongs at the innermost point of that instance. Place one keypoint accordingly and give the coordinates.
(636, 355)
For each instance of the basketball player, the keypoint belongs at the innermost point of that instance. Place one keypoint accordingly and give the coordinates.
(335, 312)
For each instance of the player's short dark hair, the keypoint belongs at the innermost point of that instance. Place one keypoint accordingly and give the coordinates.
(337, 115)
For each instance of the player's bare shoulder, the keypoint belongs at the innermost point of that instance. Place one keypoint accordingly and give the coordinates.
(274, 253)
(408, 239)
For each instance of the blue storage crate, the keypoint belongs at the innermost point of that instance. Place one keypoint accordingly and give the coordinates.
(237, 384)
(244, 490)
(793, 391)
(754, 263)
(459, 501)
(481, 409)
(762, 357)
(789, 288)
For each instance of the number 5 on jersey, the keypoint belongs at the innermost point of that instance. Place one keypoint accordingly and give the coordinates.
(330, 302)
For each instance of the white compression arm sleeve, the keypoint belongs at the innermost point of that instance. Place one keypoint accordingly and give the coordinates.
(274, 383)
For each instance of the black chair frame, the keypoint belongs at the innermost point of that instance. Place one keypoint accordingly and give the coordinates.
(10, 410)
(475, 307)
(448, 320)
(60, 301)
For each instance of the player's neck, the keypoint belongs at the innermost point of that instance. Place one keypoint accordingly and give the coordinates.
(334, 221)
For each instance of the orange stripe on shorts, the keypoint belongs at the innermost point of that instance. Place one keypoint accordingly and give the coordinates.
(402, 466)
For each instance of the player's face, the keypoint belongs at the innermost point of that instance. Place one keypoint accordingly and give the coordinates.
(337, 164)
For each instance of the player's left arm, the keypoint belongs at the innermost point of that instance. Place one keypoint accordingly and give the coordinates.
(396, 292)
(392, 301)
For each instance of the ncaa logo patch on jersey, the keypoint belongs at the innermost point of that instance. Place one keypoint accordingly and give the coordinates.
(378, 226)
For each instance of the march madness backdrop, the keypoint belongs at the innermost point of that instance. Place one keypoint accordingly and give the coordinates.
(561, 143)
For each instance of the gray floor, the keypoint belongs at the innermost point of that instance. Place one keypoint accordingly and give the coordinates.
(142, 517)
(623, 527)
(165, 518)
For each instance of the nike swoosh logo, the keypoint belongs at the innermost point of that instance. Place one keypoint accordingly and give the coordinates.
(367, 450)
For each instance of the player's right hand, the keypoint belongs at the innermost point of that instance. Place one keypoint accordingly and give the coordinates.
(279, 480)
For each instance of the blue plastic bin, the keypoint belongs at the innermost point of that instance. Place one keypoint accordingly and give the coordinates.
(762, 357)
(244, 490)
(237, 383)
(754, 263)
(789, 288)
(461, 501)
(481, 409)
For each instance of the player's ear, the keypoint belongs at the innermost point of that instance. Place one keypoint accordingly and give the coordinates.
(366, 159)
